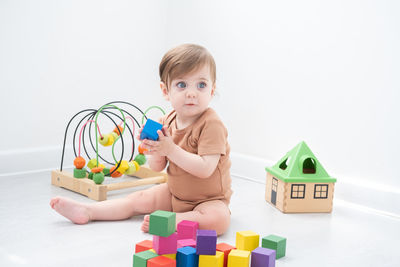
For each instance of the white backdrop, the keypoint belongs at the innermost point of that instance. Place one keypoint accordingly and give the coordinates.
(325, 72)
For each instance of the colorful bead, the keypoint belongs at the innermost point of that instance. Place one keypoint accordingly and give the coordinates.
(92, 163)
(97, 169)
(106, 171)
(141, 159)
(123, 166)
(103, 140)
(141, 149)
(79, 162)
(79, 173)
(116, 129)
(110, 140)
(115, 174)
(98, 178)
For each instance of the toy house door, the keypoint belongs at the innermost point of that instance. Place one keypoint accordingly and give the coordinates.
(273, 190)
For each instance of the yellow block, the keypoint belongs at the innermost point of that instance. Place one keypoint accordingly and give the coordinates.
(216, 260)
(238, 258)
(247, 240)
(171, 256)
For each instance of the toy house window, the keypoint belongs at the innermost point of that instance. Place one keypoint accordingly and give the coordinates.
(298, 191)
(309, 165)
(321, 191)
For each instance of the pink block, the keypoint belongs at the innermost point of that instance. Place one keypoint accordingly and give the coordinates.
(165, 245)
(187, 230)
(187, 243)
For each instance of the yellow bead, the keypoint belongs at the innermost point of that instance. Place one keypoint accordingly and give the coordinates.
(102, 166)
(103, 140)
(110, 140)
(123, 167)
(114, 135)
(92, 163)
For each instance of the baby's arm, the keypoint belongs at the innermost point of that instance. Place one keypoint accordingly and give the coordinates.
(157, 163)
(200, 166)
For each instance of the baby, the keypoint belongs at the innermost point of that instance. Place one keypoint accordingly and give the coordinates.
(193, 144)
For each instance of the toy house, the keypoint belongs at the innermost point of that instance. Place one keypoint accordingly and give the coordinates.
(298, 183)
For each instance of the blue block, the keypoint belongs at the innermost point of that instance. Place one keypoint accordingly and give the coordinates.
(150, 130)
(186, 257)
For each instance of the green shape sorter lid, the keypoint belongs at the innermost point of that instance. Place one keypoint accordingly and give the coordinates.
(300, 165)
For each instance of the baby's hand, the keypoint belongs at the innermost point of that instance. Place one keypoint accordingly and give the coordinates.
(163, 147)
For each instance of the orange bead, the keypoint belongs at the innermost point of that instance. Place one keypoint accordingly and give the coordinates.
(115, 174)
(97, 169)
(141, 149)
(79, 162)
(116, 129)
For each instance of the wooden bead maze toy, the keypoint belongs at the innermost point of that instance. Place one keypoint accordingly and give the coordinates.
(90, 182)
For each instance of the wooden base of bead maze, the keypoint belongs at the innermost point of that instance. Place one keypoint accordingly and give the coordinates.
(97, 192)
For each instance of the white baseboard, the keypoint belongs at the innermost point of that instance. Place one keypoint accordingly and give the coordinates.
(372, 195)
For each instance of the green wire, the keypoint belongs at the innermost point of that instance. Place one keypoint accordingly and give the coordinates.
(147, 110)
(97, 140)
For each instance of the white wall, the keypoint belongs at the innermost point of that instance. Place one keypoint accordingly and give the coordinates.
(319, 71)
(326, 72)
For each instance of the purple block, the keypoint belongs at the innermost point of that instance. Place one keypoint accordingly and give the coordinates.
(187, 229)
(206, 242)
(263, 257)
(165, 245)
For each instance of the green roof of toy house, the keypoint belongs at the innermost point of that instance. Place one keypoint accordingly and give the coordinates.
(300, 165)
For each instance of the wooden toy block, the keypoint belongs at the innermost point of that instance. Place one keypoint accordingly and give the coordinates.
(171, 256)
(150, 129)
(187, 229)
(206, 242)
(187, 243)
(226, 249)
(247, 240)
(162, 223)
(88, 188)
(263, 257)
(161, 261)
(298, 183)
(140, 259)
(187, 257)
(216, 260)
(276, 243)
(165, 245)
(143, 246)
(239, 258)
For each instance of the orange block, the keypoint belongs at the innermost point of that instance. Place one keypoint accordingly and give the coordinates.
(143, 246)
(225, 248)
(161, 261)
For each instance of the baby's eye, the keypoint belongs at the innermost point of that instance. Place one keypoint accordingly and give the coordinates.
(201, 85)
(181, 85)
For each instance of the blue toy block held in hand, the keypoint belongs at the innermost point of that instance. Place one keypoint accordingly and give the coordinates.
(150, 130)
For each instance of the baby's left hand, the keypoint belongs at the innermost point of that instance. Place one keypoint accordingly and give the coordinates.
(163, 147)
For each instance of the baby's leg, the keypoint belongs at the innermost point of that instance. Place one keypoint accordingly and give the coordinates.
(211, 215)
(140, 202)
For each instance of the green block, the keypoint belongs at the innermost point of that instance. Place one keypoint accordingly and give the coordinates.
(140, 259)
(140, 159)
(276, 243)
(162, 223)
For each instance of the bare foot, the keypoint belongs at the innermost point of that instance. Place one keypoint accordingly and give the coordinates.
(145, 223)
(70, 209)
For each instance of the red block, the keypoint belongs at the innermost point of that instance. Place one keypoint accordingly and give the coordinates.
(144, 245)
(161, 261)
(225, 248)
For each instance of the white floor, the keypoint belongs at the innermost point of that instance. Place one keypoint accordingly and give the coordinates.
(32, 234)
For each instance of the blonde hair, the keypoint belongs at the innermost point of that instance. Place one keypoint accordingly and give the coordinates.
(184, 59)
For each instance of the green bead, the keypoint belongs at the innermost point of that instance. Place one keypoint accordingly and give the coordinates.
(79, 173)
(98, 178)
(106, 171)
(90, 175)
(141, 159)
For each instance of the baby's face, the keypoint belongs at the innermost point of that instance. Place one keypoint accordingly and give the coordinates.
(191, 94)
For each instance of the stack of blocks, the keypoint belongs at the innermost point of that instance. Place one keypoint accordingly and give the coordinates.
(191, 247)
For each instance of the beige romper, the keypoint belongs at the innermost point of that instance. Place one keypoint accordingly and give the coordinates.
(206, 136)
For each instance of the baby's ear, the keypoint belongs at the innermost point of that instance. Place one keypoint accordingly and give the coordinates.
(164, 90)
